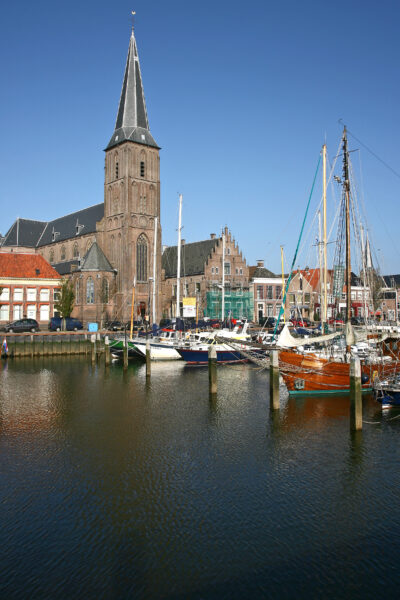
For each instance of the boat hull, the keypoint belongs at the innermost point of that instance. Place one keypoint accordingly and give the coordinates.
(309, 374)
(200, 357)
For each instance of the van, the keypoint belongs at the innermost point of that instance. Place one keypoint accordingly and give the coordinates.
(56, 324)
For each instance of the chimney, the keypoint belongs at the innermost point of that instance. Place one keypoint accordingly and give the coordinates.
(260, 263)
(182, 242)
(212, 236)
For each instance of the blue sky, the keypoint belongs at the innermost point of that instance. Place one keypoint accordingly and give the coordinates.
(240, 96)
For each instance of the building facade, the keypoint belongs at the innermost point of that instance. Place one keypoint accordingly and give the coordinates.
(267, 291)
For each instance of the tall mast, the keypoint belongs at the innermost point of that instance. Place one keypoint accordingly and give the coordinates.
(178, 273)
(320, 259)
(283, 284)
(346, 188)
(223, 278)
(154, 269)
(325, 311)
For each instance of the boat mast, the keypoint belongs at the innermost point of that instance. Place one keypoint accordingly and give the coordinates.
(283, 284)
(346, 188)
(325, 310)
(223, 277)
(320, 260)
(178, 273)
(154, 269)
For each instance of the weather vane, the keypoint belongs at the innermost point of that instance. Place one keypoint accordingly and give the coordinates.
(133, 12)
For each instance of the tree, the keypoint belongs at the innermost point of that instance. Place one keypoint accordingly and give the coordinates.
(65, 302)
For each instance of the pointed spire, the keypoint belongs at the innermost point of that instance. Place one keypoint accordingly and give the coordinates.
(132, 123)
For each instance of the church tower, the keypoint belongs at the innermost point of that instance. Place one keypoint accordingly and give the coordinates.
(131, 227)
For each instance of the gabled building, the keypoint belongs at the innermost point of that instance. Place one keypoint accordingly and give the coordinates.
(29, 287)
(125, 227)
(201, 278)
(267, 291)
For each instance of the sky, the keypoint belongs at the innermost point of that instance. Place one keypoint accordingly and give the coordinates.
(240, 97)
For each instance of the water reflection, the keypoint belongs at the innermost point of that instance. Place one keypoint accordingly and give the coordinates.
(114, 485)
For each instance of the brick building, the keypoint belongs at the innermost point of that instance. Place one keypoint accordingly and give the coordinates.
(267, 291)
(29, 287)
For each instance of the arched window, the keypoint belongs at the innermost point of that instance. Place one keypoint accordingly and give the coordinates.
(51, 256)
(78, 291)
(89, 243)
(105, 291)
(89, 291)
(63, 253)
(76, 250)
(141, 258)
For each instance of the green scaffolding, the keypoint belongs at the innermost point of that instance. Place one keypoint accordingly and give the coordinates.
(237, 305)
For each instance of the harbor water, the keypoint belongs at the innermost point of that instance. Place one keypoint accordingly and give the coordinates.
(112, 486)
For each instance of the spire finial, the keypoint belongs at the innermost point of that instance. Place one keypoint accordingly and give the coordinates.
(133, 13)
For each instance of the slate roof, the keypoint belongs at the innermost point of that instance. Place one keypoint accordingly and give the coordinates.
(24, 232)
(96, 260)
(392, 280)
(257, 272)
(193, 258)
(26, 266)
(65, 268)
(66, 226)
(132, 123)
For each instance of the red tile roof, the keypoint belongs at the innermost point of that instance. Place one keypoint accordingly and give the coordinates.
(26, 266)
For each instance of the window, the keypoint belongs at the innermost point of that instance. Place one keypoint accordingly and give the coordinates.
(237, 271)
(5, 293)
(186, 289)
(31, 294)
(291, 298)
(78, 291)
(56, 295)
(241, 271)
(269, 292)
(260, 292)
(278, 291)
(31, 311)
(44, 295)
(89, 291)
(141, 258)
(63, 253)
(51, 259)
(17, 311)
(76, 251)
(300, 283)
(116, 170)
(270, 310)
(105, 291)
(142, 170)
(18, 294)
(216, 270)
(4, 312)
(212, 270)
(44, 312)
(227, 268)
(228, 250)
(307, 298)
(197, 288)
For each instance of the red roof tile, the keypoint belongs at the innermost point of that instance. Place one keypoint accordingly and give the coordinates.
(26, 266)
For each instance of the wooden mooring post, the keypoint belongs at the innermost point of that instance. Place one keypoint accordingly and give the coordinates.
(274, 380)
(125, 355)
(93, 340)
(355, 395)
(107, 351)
(148, 359)
(212, 370)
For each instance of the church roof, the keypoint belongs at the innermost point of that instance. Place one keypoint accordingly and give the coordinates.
(77, 223)
(96, 260)
(193, 258)
(132, 123)
(24, 233)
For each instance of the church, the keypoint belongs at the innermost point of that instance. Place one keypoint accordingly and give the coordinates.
(111, 251)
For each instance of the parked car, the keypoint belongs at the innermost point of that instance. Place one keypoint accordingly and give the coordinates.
(21, 325)
(71, 324)
(114, 326)
(303, 322)
(357, 321)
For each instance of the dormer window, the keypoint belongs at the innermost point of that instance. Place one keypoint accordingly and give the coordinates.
(142, 169)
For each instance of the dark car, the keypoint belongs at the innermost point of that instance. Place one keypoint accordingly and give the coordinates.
(56, 324)
(357, 321)
(22, 325)
(115, 326)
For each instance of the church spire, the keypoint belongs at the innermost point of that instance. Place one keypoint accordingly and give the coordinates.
(132, 123)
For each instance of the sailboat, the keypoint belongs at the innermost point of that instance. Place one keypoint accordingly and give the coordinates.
(307, 374)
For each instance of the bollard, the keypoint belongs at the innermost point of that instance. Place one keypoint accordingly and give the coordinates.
(125, 356)
(274, 380)
(148, 359)
(107, 351)
(355, 395)
(212, 370)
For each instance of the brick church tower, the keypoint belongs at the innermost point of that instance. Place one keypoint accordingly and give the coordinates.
(131, 231)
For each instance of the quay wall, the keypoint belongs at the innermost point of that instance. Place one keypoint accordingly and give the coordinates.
(49, 343)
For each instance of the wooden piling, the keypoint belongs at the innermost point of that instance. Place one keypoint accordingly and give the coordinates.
(148, 359)
(107, 351)
(355, 395)
(125, 356)
(93, 340)
(274, 380)
(212, 370)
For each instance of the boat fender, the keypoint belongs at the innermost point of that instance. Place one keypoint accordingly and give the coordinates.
(364, 378)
